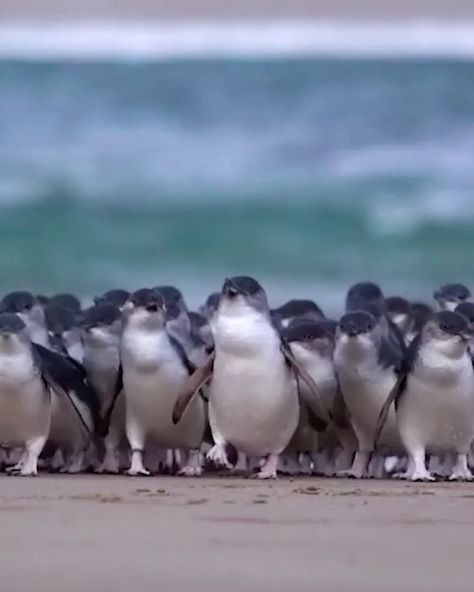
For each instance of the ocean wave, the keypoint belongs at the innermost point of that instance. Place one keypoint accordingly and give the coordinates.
(236, 39)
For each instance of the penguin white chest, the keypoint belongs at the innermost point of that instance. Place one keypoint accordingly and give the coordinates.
(253, 397)
(365, 385)
(24, 402)
(438, 405)
(153, 376)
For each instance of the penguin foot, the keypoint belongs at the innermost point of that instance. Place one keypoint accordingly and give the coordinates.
(137, 468)
(138, 472)
(24, 472)
(74, 469)
(406, 475)
(352, 474)
(460, 470)
(100, 470)
(218, 456)
(359, 466)
(13, 470)
(460, 477)
(421, 476)
(269, 469)
(190, 471)
(110, 464)
(265, 475)
(193, 467)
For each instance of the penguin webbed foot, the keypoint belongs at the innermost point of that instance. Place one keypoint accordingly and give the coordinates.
(221, 455)
(461, 471)
(269, 469)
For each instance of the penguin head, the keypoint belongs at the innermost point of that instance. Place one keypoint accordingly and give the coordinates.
(66, 300)
(239, 293)
(365, 292)
(448, 332)
(145, 308)
(101, 324)
(26, 306)
(62, 324)
(172, 296)
(116, 298)
(13, 333)
(399, 312)
(358, 329)
(420, 314)
(467, 311)
(200, 326)
(310, 335)
(450, 295)
(211, 305)
(297, 309)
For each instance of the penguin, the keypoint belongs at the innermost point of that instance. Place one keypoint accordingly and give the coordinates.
(201, 327)
(25, 398)
(297, 309)
(209, 308)
(254, 406)
(434, 396)
(117, 297)
(178, 325)
(75, 411)
(450, 295)
(102, 326)
(365, 292)
(66, 300)
(420, 314)
(65, 335)
(369, 297)
(466, 309)
(312, 344)
(30, 311)
(399, 312)
(367, 366)
(155, 369)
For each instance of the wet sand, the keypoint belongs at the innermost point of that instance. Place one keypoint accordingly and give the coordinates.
(99, 533)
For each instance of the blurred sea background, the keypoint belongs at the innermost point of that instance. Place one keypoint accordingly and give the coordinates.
(308, 155)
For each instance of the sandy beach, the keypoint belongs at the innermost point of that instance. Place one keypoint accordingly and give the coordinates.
(97, 533)
(247, 9)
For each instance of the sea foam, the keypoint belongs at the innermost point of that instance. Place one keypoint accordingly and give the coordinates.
(235, 39)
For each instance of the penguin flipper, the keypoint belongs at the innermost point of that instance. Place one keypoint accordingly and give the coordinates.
(105, 420)
(65, 375)
(179, 349)
(339, 411)
(399, 387)
(314, 402)
(194, 383)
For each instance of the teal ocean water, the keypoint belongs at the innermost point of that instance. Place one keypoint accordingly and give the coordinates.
(308, 173)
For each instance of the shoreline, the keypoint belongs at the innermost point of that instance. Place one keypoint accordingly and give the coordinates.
(288, 38)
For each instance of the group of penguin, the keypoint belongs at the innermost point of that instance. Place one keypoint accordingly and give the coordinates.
(139, 384)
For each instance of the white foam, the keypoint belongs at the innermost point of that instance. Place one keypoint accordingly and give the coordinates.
(234, 39)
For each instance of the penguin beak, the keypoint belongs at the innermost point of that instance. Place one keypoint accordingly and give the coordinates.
(229, 289)
(352, 330)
